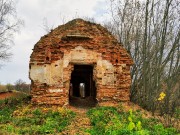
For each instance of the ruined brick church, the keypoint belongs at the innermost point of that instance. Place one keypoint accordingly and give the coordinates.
(79, 62)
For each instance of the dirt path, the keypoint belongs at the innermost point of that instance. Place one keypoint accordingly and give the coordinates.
(80, 123)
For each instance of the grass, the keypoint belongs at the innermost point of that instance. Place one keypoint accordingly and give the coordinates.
(18, 116)
(25, 119)
(111, 121)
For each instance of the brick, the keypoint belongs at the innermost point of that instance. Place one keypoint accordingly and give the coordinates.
(79, 43)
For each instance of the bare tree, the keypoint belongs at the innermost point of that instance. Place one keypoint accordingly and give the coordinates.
(18, 85)
(9, 24)
(150, 31)
(46, 27)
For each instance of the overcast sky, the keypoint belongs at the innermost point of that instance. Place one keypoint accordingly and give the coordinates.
(33, 13)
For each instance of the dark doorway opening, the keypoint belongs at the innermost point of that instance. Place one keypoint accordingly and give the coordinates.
(82, 87)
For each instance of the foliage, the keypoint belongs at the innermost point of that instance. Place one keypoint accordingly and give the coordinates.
(150, 31)
(109, 121)
(14, 101)
(161, 96)
(5, 115)
(2, 88)
(49, 122)
(19, 85)
(25, 119)
(18, 116)
(8, 106)
(177, 113)
(9, 87)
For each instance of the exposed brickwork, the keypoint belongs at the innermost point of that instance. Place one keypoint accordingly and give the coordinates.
(79, 42)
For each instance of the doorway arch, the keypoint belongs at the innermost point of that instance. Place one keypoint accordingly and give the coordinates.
(82, 90)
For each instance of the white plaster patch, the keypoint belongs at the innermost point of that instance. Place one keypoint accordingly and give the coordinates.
(78, 48)
(123, 65)
(108, 73)
(37, 73)
(55, 90)
(66, 63)
(56, 73)
(78, 54)
(107, 64)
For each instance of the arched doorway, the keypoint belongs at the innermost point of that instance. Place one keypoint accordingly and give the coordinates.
(82, 87)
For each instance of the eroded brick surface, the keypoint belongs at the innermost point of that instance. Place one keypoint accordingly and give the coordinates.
(84, 43)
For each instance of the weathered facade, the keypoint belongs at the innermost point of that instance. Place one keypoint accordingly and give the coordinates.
(74, 53)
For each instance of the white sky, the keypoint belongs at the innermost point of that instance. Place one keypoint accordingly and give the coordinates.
(33, 12)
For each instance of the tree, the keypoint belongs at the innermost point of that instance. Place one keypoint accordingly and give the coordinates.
(9, 87)
(20, 85)
(9, 25)
(2, 88)
(150, 31)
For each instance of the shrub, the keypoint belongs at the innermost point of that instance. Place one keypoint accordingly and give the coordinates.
(5, 115)
(108, 121)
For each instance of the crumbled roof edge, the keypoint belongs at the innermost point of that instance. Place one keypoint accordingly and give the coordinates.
(99, 26)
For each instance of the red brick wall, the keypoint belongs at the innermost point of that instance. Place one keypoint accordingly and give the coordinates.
(52, 60)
